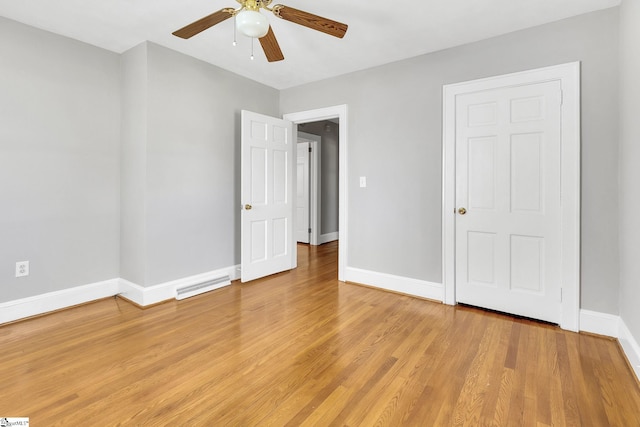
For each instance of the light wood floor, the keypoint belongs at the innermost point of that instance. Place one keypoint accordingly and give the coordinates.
(301, 348)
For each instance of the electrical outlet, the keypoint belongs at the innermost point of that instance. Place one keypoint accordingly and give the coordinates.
(363, 181)
(22, 268)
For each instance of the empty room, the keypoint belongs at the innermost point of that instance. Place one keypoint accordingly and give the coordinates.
(452, 246)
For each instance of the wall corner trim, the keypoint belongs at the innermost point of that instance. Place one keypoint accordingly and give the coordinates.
(328, 237)
(404, 285)
(149, 295)
(630, 348)
(599, 323)
(613, 326)
(23, 308)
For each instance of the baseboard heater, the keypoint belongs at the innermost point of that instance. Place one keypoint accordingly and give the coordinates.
(200, 288)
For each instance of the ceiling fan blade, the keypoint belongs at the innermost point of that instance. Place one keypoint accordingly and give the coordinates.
(271, 47)
(315, 22)
(203, 23)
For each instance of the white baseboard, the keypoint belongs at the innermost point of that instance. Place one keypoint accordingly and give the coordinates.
(404, 285)
(590, 321)
(328, 237)
(32, 306)
(599, 323)
(40, 304)
(612, 326)
(149, 295)
(630, 347)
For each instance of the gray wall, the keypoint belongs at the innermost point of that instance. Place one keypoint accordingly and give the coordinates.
(62, 147)
(191, 165)
(395, 125)
(116, 165)
(629, 169)
(133, 165)
(329, 159)
(59, 161)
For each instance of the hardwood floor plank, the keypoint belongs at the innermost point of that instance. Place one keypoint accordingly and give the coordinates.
(503, 401)
(447, 388)
(517, 400)
(469, 405)
(544, 369)
(495, 374)
(591, 405)
(301, 348)
(569, 390)
(558, 417)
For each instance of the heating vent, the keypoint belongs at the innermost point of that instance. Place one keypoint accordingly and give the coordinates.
(200, 288)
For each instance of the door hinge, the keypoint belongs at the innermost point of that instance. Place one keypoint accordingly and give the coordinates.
(309, 149)
(309, 231)
(560, 294)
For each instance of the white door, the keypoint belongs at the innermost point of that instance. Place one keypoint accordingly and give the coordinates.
(508, 221)
(303, 199)
(267, 152)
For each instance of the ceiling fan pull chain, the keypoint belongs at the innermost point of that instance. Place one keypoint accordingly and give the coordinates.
(252, 48)
(234, 31)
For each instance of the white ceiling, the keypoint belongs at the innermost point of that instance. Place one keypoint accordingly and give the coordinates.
(379, 31)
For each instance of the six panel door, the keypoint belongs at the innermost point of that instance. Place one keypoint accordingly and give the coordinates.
(267, 154)
(508, 212)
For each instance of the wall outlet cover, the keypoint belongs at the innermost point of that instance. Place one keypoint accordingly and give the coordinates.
(22, 268)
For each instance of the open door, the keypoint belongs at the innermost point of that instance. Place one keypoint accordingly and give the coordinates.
(267, 158)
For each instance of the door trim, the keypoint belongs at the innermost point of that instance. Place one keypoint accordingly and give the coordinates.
(569, 77)
(315, 142)
(339, 112)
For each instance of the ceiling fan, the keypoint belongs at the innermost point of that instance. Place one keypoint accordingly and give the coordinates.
(254, 24)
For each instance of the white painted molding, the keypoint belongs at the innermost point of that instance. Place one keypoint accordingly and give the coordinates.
(599, 323)
(404, 285)
(149, 295)
(328, 237)
(39, 304)
(339, 112)
(315, 142)
(133, 292)
(630, 347)
(143, 296)
(613, 326)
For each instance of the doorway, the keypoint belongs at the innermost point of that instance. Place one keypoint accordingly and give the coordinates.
(320, 183)
(338, 115)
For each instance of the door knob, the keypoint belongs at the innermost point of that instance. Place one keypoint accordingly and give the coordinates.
(462, 211)
(247, 207)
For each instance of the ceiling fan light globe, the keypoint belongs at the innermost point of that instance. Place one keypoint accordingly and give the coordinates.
(252, 23)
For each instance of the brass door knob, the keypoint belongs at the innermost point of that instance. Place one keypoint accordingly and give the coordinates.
(247, 207)
(462, 211)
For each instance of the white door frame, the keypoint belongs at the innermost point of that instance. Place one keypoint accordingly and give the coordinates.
(339, 112)
(569, 77)
(314, 181)
(303, 175)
